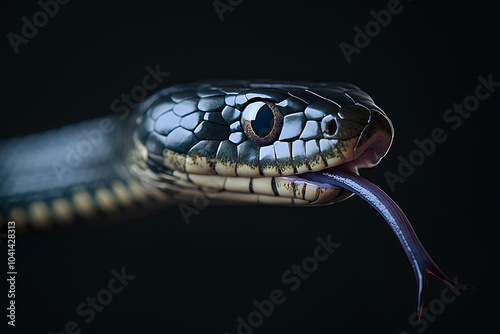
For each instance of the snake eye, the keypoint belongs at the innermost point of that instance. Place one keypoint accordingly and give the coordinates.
(262, 122)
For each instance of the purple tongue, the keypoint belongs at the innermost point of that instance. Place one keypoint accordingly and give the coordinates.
(421, 262)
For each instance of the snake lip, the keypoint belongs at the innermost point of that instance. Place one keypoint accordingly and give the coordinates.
(373, 151)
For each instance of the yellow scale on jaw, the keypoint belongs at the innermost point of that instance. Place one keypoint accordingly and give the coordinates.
(289, 191)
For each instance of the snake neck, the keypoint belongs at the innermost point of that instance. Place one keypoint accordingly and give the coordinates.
(68, 175)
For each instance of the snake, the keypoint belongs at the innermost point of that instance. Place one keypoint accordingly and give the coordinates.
(258, 142)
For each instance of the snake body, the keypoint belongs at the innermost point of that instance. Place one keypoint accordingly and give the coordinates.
(234, 142)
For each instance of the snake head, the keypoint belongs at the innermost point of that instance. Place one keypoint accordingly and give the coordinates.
(249, 142)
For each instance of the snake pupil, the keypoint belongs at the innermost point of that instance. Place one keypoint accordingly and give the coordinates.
(262, 125)
(262, 122)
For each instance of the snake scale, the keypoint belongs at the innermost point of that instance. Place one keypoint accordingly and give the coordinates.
(232, 141)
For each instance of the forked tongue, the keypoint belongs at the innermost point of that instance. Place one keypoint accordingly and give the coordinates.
(421, 262)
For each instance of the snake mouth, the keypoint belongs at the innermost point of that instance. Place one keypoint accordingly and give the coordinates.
(371, 146)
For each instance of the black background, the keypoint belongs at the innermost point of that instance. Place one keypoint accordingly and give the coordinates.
(199, 278)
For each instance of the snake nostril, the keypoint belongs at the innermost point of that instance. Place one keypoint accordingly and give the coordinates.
(331, 127)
